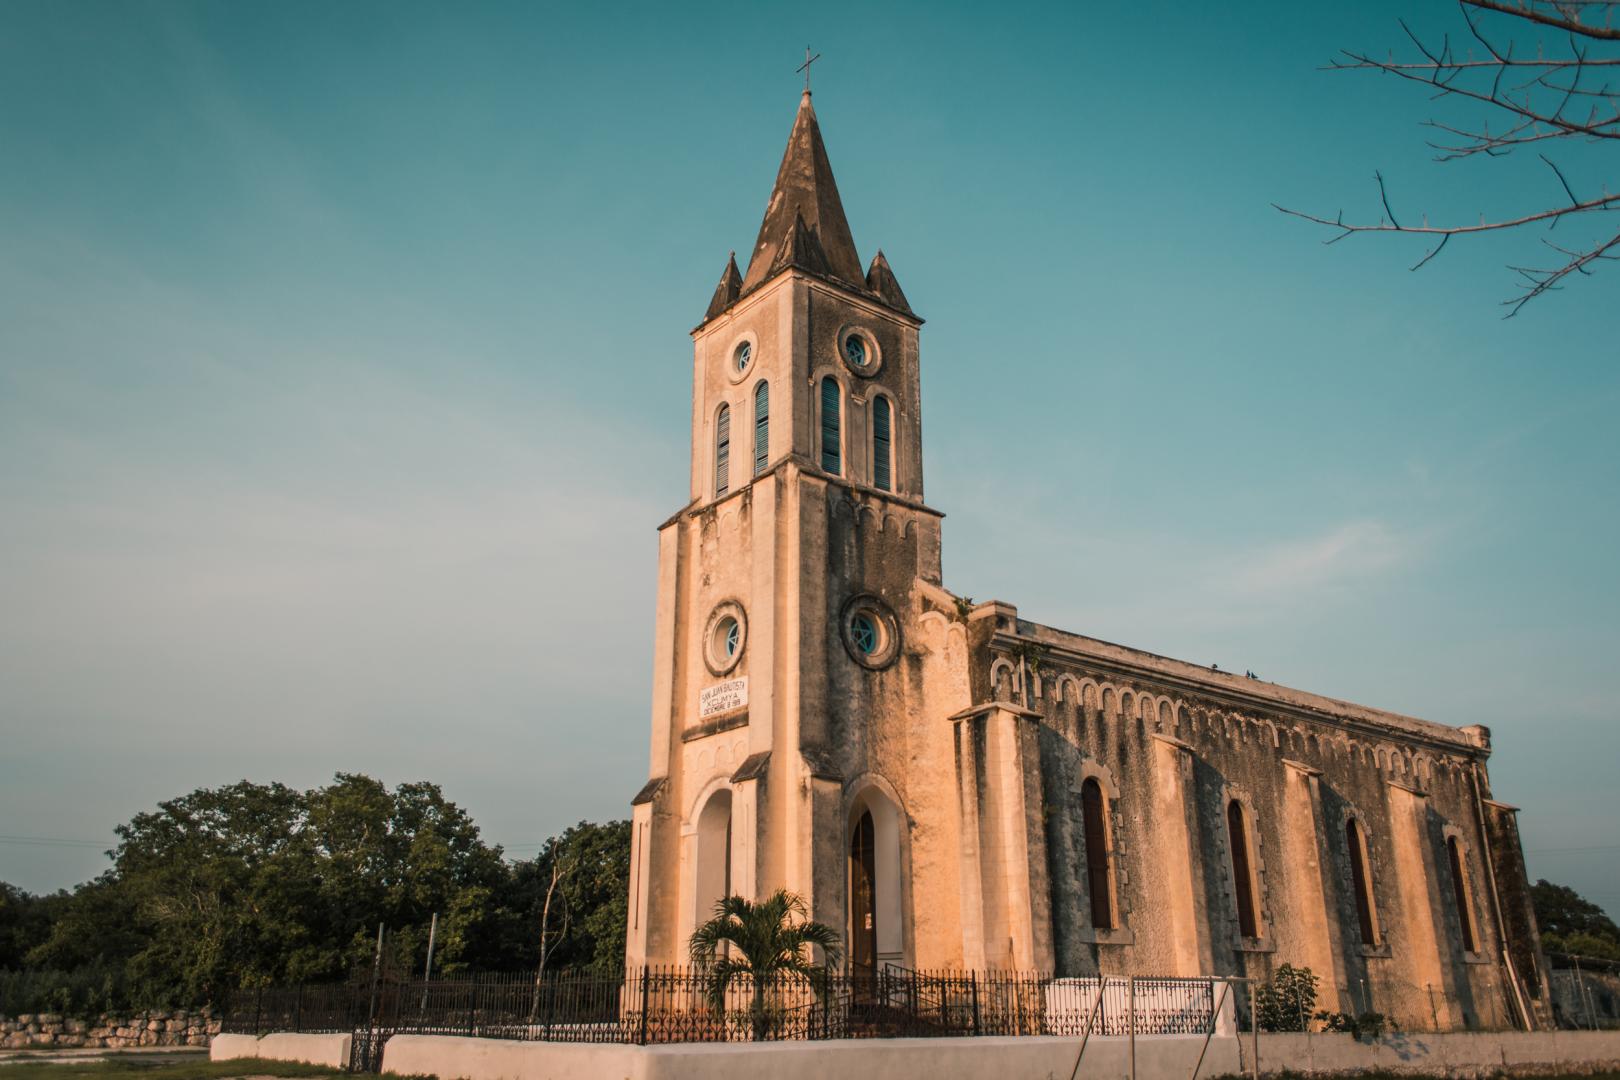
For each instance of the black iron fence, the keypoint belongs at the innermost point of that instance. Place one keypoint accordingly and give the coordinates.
(677, 1004)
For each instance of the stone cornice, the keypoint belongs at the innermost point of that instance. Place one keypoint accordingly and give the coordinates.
(991, 706)
(779, 469)
(649, 791)
(1192, 681)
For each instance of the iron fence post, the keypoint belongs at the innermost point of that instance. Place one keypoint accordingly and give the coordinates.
(258, 1006)
(1130, 1007)
(646, 1000)
(916, 1003)
(973, 982)
(298, 1009)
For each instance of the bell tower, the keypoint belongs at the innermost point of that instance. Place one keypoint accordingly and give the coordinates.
(787, 590)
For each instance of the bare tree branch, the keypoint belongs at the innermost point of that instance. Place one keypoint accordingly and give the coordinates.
(1550, 98)
(1563, 22)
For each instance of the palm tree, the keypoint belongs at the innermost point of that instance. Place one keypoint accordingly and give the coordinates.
(767, 942)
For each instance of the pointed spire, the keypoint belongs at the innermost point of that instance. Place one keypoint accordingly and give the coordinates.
(881, 280)
(805, 192)
(725, 293)
(803, 250)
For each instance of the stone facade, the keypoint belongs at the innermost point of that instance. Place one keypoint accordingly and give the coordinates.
(114, 1030)
(960, 787)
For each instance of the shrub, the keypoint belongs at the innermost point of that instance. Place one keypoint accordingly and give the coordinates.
(1367, 1026)
(1288, 1001)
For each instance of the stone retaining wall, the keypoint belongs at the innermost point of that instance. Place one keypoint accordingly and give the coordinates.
(1456, 1054)
(152, 1028)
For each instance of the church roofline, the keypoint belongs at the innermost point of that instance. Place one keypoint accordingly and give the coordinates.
(1199, 680)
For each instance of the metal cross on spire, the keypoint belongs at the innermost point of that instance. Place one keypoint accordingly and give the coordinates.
(805, 67)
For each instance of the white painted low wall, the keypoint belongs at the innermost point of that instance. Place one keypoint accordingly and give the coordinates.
(1106, 1058)
(1171, 1057)
(1473, 1053)
(226, 1047)
(327, 1049)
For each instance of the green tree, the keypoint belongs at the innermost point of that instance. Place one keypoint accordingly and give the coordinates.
(256, 884)
(765, 943)
(585, 924)
(1563, 911)
(25, 922)
(253, 884)
(1288, 1001)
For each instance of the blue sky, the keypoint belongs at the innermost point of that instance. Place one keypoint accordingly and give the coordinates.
(344, 377)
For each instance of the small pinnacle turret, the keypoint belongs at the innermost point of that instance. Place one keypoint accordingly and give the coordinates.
(725, 293)
(881, 280)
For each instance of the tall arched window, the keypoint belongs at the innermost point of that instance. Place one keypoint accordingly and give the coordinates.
(1242, 870)
(882, 453)
(1361, 881)
(1099, 882)
(722, 451)
(1459, 885)
(830, 427)
(762, 427)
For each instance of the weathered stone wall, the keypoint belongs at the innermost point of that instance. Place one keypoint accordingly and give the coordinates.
(1173, 745)
(1586, 999)
(151, 1028)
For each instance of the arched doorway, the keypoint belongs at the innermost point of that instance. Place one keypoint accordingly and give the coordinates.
(877, 880)
(862, 894)
(713, 856)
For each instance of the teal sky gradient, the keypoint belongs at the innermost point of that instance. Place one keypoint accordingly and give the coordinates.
(344, 377)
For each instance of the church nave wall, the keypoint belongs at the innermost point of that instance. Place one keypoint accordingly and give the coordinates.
(1180, 760)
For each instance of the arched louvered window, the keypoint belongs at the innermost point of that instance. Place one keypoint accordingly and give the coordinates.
(722, 451)
(831, 460)
(882, 454)
(1098, 881)
(1237, 832)
(1459, 886)
(762, 427)
(1361, 881)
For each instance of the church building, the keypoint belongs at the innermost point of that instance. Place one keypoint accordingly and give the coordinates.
(958, 787)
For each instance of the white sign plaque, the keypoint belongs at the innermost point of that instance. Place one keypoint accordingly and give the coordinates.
(722, 697)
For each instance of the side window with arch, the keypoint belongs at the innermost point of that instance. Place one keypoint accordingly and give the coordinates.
(1099, 879)
(831, 429)
(882, 445)
(1237, 829)
(762, 427)
(1361, 881)
(722, 451)
(1459, 886)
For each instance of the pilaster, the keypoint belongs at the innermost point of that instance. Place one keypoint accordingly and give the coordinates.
(1416, 875)
(1176, 823)
(998, 778)
(1309, 925)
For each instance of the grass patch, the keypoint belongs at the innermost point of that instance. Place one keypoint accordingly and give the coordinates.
(1499, 1075)
(142, 1067)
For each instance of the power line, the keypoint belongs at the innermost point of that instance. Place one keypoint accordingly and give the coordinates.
(1557, 850)
(53, 841)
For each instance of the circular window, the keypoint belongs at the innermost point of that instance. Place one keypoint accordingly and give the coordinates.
(855, 350)
(743, 351)
(730, 636)
(865, 633)
(859, 351)
(725, 637)
(869, 631)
